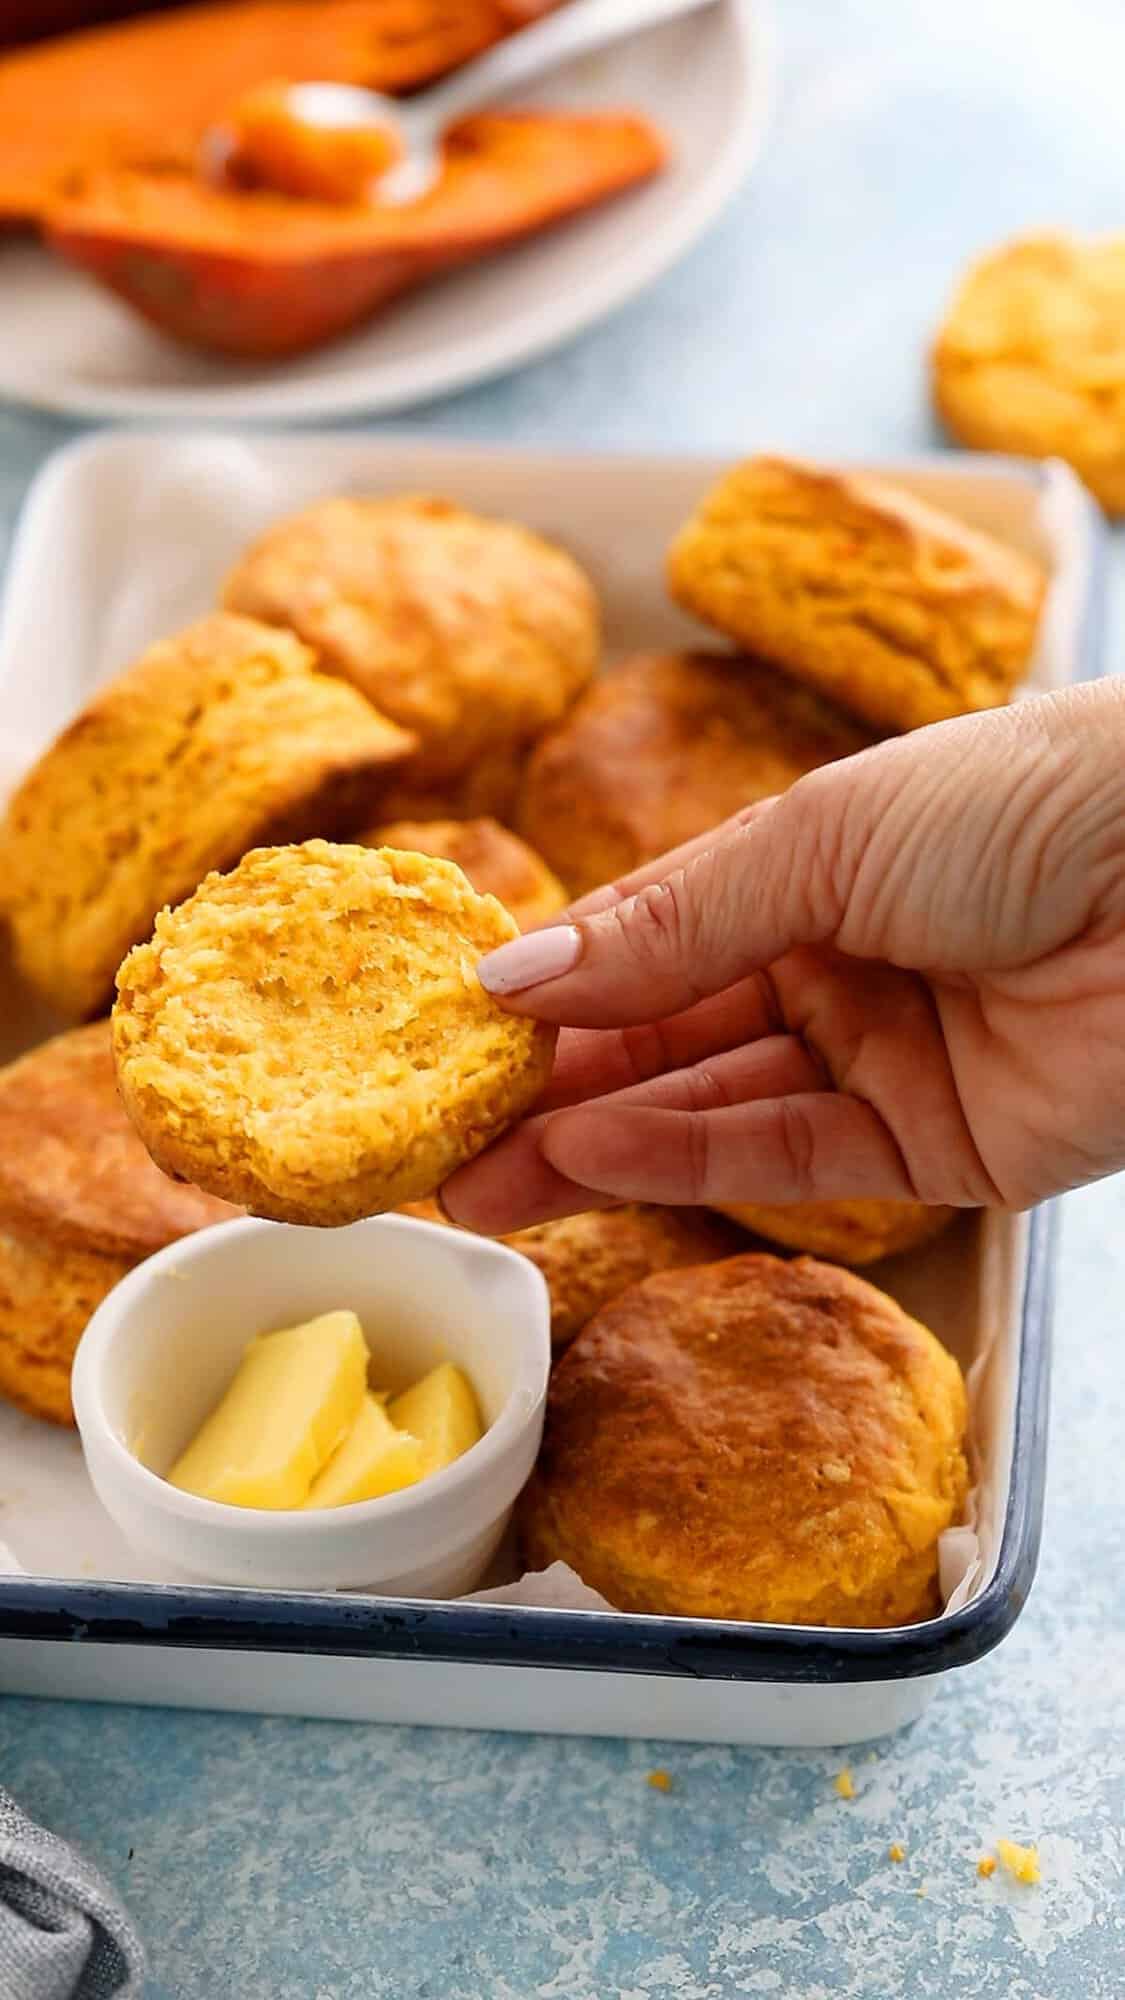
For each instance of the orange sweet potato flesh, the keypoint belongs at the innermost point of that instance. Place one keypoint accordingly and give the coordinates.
(262, 275)
(143, 92)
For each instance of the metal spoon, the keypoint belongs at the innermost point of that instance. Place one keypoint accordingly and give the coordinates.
(420, 122)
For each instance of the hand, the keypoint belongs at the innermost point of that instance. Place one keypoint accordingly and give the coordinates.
(903, 979)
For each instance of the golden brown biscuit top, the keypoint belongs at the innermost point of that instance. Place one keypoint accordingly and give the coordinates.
(72, 1169)
(496, 862)
(851, 514)
(665, 747)
(467, 631)
(855, 1232)
(307, 1034)
(756, 1417)
(1054, 302)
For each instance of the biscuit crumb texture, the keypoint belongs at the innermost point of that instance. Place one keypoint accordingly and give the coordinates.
(218, 739)
(497, 863)
(845, 1784)
(888, 605)
(473, 633)
(896, 1852)
(307, 1035)
(986, 1867)
(1031, 357)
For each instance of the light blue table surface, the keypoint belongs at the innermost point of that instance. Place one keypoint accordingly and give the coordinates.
(268, 1859)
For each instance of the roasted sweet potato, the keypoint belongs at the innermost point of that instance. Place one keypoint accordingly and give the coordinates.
(142, 92)
(260, 274)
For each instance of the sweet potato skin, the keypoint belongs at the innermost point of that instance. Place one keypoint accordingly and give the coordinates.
(261, 276)
(143, 92)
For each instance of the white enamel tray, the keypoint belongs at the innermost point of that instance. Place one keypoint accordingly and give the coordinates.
(122, 539)
(66, 345)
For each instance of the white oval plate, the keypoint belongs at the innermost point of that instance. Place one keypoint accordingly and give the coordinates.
(66, 345)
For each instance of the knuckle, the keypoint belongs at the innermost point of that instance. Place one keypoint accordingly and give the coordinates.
(646, 1050)
(797, 1146)
(656, 926)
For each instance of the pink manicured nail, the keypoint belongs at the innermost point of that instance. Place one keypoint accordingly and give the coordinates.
(531, 960)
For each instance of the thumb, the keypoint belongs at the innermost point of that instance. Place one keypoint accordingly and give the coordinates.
(771, 878)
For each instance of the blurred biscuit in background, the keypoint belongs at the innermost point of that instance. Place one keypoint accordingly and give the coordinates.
(887, 605)
(663, 748)
(474, 634)
(1031, 357)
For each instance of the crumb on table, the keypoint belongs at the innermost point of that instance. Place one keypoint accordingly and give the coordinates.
(895, 1852)
(844, 1784)
(986, 1866)
(661, 1781)
(1022, 1863)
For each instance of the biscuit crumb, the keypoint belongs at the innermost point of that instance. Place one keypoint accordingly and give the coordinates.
(921, 1889)
(844, 1784)
(1022, 1863)
(895, 1852)
(661, 1781)
(986, 1866)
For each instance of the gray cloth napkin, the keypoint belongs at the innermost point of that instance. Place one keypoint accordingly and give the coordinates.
(63, 1934)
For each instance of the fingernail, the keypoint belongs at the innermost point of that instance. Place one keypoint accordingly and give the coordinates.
(531, 960)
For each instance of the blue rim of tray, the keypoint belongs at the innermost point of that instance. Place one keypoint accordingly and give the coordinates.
(347, 1626)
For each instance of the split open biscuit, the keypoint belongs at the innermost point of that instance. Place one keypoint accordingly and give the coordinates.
(307, 1035)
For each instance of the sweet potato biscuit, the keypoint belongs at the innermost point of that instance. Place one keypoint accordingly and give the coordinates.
(80, 1203)
(72, 1169)
(889, 606)
(758, 1440)
(1031, 357)
(588, 1260)
(47, 1294)
(846, 1232)
(307, 1035)
(497, 863)
(663, 748)
(220, 737)
(475, 634)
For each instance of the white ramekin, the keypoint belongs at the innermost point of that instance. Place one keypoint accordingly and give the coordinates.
(160, 1350)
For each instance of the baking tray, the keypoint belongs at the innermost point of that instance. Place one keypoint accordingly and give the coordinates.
(123, 538)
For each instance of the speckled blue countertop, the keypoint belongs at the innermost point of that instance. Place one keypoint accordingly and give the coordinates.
(268, 1859)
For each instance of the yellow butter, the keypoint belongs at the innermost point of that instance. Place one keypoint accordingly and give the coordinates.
(296, 1393)
(374, 1458)
(442, 1412)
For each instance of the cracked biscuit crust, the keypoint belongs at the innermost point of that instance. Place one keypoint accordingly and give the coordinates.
(1031, 357)
(885, 604)
(755, 1440)
(475, 634)
(307, 1035)
(664, 748)
(218, 738)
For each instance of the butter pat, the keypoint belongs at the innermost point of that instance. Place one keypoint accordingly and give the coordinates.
(373, 1459)
(441, 1412)
(295, 1395)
